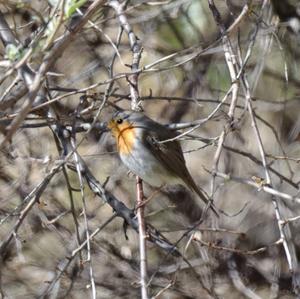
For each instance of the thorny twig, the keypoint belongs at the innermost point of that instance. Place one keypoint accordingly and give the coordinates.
(30, 200)
(135, 106)
(61, 123)
(88, 245)
(231, 62)
(232, 67)
(136, 53)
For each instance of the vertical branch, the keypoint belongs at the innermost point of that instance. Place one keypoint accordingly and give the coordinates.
(73, 212)
(142, 237)
(284, 231)
(135, 106)
(283, 227)
(231, 64)
(84, 210)
(136, 54)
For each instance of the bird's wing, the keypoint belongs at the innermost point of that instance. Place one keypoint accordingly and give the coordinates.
(170, 154)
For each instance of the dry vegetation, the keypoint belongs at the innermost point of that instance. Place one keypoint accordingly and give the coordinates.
(225, 73)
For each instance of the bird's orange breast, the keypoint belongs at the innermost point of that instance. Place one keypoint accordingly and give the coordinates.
(124, 134)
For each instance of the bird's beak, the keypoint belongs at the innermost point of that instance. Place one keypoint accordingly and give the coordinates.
(101, 126)
(105, 126)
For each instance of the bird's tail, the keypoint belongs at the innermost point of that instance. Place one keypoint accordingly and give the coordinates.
(192, 185)
(208, 202)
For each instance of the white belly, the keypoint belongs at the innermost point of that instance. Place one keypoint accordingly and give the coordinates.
(148, 168)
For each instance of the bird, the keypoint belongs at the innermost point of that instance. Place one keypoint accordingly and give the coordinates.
(151, 151)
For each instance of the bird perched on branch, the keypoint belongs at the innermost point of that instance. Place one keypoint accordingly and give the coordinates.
(151, 151)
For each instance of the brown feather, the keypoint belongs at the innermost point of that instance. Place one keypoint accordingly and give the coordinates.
(170, 154)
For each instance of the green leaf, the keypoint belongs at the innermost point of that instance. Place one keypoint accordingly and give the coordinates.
(72, 5)
(13, 52)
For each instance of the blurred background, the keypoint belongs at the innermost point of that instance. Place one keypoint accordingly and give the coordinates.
(183, 78)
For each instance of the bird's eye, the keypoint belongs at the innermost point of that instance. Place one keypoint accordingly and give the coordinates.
(119, 121)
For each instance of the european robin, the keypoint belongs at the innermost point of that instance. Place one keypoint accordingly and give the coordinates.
(138, 141)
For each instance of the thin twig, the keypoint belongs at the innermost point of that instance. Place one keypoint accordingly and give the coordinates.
(232, 67)
(135, 106)
(142, 238)
(136, 53)
(89, 258)
(30, 199)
